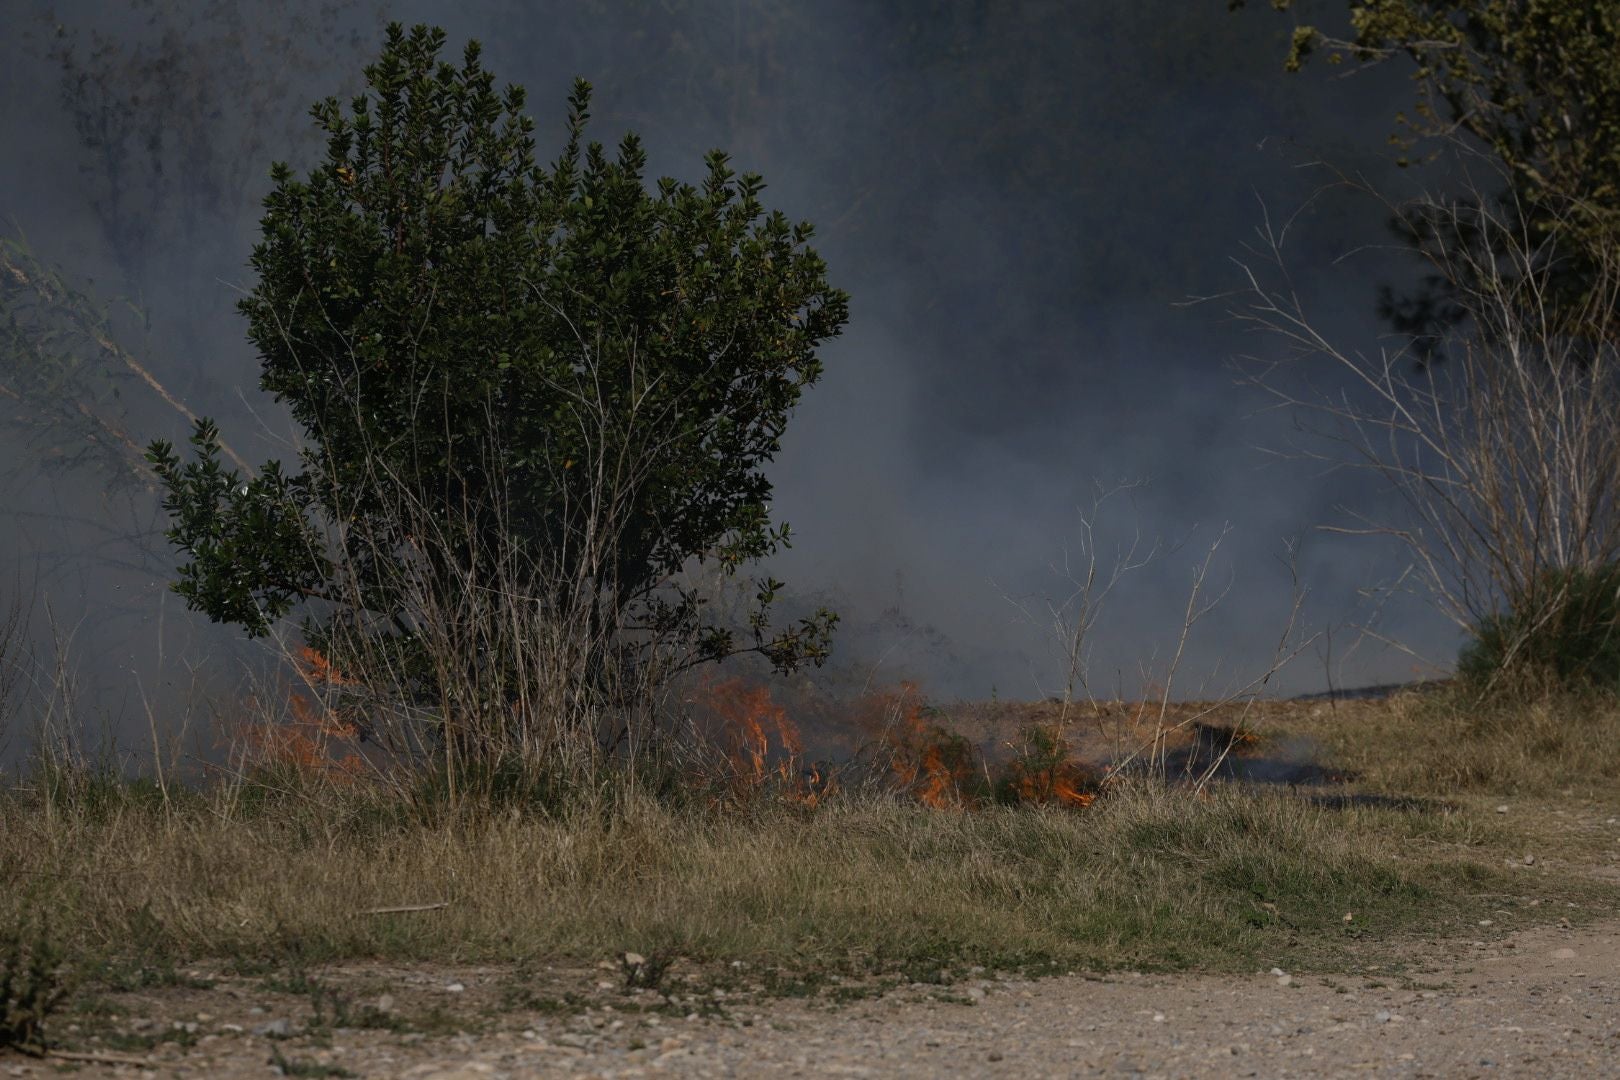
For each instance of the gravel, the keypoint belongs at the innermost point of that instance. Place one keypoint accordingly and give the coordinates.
(1543, 1003)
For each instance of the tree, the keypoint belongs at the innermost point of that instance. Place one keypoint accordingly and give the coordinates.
(1531, 84)
(533, 398)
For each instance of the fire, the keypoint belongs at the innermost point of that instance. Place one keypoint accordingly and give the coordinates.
(939, 767)
(763, 747)
(316, 668)
(316, 739)
(894, 734)
(1044, 771)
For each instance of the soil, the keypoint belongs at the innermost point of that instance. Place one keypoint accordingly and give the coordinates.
(1542, 1002)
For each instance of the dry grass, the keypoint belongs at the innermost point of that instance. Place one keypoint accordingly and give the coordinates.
(1452, 740)
(139, 882)
(1147, 878)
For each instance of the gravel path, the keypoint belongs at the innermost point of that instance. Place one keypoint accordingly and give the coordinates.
(1543, 1003)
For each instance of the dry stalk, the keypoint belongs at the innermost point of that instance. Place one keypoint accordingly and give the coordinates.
(1072, 619)
(1505, 453)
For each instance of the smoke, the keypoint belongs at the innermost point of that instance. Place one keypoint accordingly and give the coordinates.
(1018, 196)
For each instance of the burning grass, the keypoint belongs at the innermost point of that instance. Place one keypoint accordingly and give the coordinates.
(889, 742)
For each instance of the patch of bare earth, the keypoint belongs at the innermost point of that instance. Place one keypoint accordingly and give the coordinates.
(1541, 1002)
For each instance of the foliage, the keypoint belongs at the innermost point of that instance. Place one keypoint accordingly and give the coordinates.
(550, 379)
(1532, 83)
(1566, 630)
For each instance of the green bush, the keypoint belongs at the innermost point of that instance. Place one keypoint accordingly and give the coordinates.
(535, 398)
(1567, 631)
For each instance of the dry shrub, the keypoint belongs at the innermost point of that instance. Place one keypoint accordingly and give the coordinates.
(1501, 439)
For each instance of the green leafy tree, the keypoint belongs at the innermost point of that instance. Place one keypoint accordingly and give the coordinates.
(548, 384)
(1530, 83)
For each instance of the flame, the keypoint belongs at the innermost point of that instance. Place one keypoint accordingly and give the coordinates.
(1061, 784)
(1044, 771)
(316, 668)
(763, 747)
(316, 739)
(937, 766)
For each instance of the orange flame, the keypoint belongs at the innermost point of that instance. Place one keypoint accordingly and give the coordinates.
(1045, 772)
(937, 766)
(903, 738)
(763, 746)
(314, 739)
(316, 668)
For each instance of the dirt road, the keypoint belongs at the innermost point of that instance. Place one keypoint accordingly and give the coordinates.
(1543, 1003)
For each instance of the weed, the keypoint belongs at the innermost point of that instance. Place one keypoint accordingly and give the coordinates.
(783, 984)
(144, 1041)
(31, 987)
(292, 980)
(950, 997)
(149, 965)
(850, 993)
(519, 998)
(646, 972)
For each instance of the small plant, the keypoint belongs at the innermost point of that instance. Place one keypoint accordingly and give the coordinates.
(1045, 772)
(646, 972)
(31, 988)
(295, 980)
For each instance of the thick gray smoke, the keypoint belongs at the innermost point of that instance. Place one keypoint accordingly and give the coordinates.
(1018, 196)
